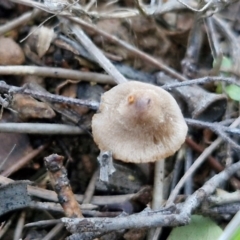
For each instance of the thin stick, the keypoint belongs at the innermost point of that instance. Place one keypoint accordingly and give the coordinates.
(48, 96)
(96, 53)
(231, 228)
(6, 158)
(23, 161)
(90, 4)
(90, 188)
(7, 225)
(201, 81)
(56, 73)
(22, 20)
(52, 234)
(19, 226)
(40, 128)
(188, 187)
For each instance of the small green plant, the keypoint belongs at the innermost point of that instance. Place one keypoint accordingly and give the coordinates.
(199, 228)
(225, 64)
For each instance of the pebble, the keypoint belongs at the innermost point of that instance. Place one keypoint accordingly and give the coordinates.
(10, 52)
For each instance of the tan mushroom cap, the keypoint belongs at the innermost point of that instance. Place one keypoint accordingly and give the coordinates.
(139, 123)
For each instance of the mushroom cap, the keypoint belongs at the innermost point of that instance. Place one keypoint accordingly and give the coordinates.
(139, 123)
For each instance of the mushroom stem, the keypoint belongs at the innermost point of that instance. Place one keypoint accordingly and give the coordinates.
(158, 185)
(158, 189)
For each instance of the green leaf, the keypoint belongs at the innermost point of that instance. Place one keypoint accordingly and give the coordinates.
(236, 235)
(223, 63)
(226, 64)
(219, 88)
(200, 228)
(233, 92)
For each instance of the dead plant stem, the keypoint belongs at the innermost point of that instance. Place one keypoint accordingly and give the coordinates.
(57, 73)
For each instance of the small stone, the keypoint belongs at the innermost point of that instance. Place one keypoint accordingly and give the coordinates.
(10, 52)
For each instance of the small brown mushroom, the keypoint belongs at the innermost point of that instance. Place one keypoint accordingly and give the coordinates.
(139, 122)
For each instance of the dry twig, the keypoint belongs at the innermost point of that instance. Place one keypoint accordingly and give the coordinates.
(48, 96)
(60, 182)
(40, 128)
(203, 80)
(56, 73)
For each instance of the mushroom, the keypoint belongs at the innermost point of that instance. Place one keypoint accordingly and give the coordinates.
(139, 123)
